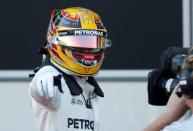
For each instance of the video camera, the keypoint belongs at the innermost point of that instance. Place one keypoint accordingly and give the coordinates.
(161, 82)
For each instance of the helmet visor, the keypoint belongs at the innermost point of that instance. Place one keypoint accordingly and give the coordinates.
(83, 41)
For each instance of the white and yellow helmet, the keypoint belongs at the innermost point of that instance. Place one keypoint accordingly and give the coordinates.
(77, 40)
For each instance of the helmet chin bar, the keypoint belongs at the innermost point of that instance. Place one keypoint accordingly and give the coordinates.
(68, 71)
(86, 62)
(87, 59)
(84, 58)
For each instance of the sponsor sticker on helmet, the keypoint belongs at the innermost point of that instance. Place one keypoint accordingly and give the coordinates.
(82, 32)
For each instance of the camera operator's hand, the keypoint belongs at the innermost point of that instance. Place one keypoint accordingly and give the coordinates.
(176, 106)
(175, 109)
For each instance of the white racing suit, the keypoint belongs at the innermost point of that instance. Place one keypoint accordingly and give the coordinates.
(185, 125)
(73, 109)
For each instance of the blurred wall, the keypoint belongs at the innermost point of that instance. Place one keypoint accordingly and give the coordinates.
(124, 107)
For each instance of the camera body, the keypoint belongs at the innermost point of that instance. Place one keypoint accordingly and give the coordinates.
(161, 82)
